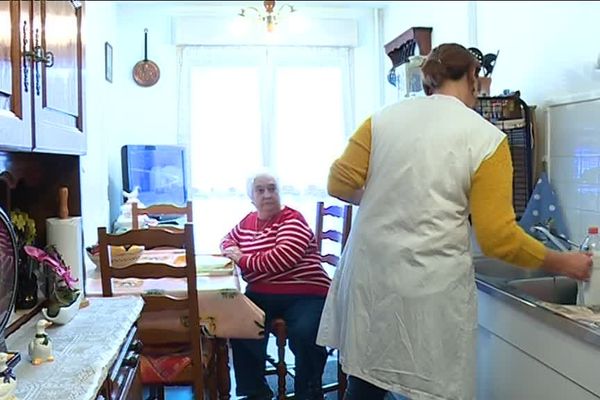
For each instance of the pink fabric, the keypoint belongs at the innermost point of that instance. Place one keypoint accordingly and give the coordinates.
(163, 369)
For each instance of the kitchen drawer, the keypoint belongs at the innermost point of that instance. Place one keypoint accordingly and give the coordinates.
(123, 381)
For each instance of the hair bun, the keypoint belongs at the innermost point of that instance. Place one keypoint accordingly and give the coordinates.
(448, 61)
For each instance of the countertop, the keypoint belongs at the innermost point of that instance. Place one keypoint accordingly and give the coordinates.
(498, 288)
(84, 349)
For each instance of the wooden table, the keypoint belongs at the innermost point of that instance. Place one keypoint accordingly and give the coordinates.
(225, 312)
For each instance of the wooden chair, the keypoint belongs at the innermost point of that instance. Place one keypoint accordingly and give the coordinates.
(278, 326)
(160, 209)
(158, 344)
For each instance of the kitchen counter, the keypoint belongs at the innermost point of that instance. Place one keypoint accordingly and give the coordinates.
(525, 348)
(499, 289)
(94, 354)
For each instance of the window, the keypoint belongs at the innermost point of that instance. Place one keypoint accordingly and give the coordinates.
(247, 107)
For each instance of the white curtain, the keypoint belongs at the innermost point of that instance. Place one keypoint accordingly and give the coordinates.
(242, 108)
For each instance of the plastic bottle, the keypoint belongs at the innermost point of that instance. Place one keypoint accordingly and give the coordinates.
(592, 240)
(589, 292)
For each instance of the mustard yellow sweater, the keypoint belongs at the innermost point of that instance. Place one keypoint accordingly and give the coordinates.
(492, 213)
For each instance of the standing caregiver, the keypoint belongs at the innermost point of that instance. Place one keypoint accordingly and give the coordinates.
(402, 307)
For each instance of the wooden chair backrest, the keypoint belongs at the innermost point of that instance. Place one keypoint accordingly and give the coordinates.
(160, 209)
(187, 306)
(344, 213)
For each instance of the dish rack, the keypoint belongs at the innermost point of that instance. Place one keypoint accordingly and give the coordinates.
(514, 117)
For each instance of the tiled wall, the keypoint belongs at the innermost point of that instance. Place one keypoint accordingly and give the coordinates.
(574, 162)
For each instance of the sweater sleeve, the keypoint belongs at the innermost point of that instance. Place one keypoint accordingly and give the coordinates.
(229, 240)
(493, 215)
(291, 242)
(349, 172)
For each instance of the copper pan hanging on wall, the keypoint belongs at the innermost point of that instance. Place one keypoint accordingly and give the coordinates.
(146, 72)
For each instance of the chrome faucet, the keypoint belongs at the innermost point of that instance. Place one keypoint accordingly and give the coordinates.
(559, 241)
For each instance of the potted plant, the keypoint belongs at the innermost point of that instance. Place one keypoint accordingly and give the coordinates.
(65, 298)
(27, 279)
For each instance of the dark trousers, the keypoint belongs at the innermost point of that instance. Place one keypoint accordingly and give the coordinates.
(357, 389)
(302, 315)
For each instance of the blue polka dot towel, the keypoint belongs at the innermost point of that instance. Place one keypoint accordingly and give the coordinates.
(543, 209)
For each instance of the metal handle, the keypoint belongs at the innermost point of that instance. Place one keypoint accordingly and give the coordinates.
(37, 55)
(40, 55)
(136, 346)
(36, 51)
(26, 55)
(46, 57)
(132, 359)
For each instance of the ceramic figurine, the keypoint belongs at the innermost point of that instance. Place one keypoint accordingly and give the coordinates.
(8, 381)
(64, 314)
(40, 348)
(123, 222)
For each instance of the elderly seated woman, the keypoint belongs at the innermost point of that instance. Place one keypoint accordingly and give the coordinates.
(276, 252)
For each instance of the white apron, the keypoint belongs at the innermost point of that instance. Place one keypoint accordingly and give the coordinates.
(402, 305)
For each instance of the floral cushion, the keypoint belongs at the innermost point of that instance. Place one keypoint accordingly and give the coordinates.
(163, 369)
(168, 364)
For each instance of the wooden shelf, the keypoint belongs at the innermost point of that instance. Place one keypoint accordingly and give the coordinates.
(404, 46)
(20, 317)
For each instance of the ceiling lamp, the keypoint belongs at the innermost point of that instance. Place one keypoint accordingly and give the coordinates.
(269, 16)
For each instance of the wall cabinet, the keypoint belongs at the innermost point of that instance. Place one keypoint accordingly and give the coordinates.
(41, 73)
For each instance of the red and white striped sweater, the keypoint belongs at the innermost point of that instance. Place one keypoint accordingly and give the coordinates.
(282, 257)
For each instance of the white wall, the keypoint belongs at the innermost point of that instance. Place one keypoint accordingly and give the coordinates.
(98, 114)
(125, 113)
(548, 51)
(540, 55)
(449, 20)
(545, 51)
(142, 115)
(557, 59)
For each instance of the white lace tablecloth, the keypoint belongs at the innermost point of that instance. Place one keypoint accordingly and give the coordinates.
(84, 350)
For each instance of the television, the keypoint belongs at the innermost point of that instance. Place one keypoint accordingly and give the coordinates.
(159, 171)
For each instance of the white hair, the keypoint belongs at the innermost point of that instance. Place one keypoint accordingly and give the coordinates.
(260, 173)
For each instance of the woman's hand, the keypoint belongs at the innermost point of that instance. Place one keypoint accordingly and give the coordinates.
(233, 253)
(572, 264)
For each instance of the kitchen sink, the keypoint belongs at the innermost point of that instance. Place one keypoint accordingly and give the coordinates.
(553, 289)
(500, 270)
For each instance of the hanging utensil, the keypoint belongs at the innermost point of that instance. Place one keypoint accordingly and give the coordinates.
(489, 62)
(146, 72)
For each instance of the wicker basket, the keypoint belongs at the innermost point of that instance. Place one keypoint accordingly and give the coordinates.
(120, 257)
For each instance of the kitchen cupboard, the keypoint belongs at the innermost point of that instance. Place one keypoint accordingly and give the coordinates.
(41, 103)
(41, 73)
(524, 356)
